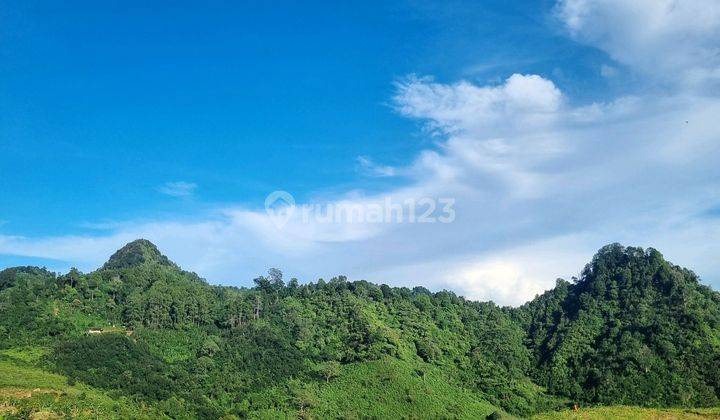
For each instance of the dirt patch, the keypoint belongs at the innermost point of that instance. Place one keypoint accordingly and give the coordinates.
(7, 409)
(44, 415)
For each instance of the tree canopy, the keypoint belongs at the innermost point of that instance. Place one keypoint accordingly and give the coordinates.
(633, 329)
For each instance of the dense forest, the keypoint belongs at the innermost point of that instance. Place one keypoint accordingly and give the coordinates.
(634, 329)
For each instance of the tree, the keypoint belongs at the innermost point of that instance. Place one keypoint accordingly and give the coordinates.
(302, 396)
(633, 329)
(210, 346)
(329, 370)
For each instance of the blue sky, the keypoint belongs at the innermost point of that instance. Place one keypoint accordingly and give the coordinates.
(174, 121)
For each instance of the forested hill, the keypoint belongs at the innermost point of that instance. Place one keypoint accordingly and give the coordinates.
(633, 329)
(137, 253)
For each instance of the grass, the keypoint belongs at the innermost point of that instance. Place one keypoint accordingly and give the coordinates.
(26, 354)
(388, 388)
(15, 376)
(27, 391)
(383, 389)
(392, 388)
(632, 413)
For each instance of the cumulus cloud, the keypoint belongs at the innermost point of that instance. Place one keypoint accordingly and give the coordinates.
(516, 275)
(178, 189)
(539, 184)
(526, 100)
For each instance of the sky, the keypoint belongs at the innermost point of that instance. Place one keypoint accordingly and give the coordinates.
(549, 129)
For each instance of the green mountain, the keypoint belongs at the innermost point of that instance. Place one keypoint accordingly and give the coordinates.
(634, 328)
(138, 252)
(160, 341)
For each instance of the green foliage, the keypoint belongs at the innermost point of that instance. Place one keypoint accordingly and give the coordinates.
(257, 357)
(137, 253)
(385, 388)
(172, 346)
(329, 370)
(634, 329)
(113, 361)
(27, 390)
(391, 388)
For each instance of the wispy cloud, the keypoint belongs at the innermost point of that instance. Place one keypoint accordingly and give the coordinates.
(106, 225)
(368, 167)
(178, 189)
(608, 72)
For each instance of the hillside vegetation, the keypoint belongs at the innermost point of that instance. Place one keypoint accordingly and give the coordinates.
(140, 337)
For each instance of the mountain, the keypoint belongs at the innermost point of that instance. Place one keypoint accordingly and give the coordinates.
(138, 252)
(633, 329)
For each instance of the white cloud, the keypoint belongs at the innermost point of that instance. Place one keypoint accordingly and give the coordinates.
(178, 189)
(539, 184)
(608, 71)
(666, 40)
(532, 204)
(517, 275)
(527, 100)
(371, 168)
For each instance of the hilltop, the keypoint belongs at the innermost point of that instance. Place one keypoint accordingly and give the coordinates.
(634, 329)
(135, 253)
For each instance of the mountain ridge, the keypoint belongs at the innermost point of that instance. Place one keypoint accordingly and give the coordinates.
(633, 329)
